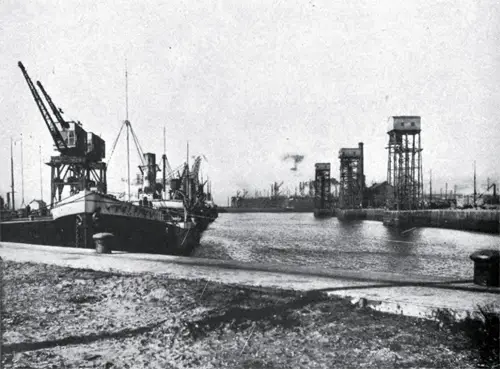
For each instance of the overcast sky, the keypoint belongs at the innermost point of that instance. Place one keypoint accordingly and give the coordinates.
(247, 82)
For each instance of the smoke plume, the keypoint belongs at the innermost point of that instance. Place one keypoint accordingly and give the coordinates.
(297, 158)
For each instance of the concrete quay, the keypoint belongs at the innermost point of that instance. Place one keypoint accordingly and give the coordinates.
(413, 295)
(487, 221)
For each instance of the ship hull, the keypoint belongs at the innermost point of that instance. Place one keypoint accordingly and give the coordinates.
(323, 213)
(77, 219)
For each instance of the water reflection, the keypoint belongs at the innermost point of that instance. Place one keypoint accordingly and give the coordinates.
(301, 239)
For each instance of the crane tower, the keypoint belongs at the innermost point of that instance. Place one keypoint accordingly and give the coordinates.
(404, 169)
(78, 165)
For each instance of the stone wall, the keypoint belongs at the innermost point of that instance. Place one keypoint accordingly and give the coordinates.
(367, 214)
(469, 220)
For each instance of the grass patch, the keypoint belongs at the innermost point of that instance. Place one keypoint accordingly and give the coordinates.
(481, 330)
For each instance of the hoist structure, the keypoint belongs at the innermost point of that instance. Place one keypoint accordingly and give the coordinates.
(79, 165)
(404, 168)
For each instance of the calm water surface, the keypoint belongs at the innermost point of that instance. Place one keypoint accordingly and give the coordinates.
(301, 239)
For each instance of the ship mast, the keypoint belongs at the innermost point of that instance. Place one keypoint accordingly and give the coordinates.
(41, 178)
(12, 175)
(130, 132)
(127, 122)
(187, 173)
(164, 157)
(475, 192)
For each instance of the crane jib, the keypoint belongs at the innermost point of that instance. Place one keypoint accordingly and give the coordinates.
(56, 135)
(54, 108)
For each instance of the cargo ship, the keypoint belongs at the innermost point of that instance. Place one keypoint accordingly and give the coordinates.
(148, 223)
(73, 221)
(305, 199)
(266, 204)
(186, 188)
(275, 201)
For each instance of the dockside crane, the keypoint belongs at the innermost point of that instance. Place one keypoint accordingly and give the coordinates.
(54, 108)
(194, 174)
(494, 199)
(54, 131)
(275, 189)
(79, 164)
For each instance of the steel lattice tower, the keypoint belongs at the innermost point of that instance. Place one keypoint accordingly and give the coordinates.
(404, 169)
(322, 189)
(352, 179)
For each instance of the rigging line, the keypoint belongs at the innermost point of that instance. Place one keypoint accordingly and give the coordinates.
(138, 143)
(137, 140)
(134, 138)
(114, 144)
(137, 146)
(167, 163)
(172, 173)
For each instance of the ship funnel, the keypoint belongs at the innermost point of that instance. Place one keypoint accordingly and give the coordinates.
(149, 171)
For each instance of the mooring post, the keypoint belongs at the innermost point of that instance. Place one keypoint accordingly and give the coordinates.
(103, 242)
(486, 267)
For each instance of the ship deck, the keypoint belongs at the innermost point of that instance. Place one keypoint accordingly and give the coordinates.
(48, 218)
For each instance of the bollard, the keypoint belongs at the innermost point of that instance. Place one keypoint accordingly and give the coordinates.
(486, 267)
(103, 242)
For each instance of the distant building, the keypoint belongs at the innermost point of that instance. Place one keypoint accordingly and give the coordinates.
(379, 195)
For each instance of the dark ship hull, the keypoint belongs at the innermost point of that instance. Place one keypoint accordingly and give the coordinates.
(205, 216)
(323, 213)
(278, 204)
(136, 229)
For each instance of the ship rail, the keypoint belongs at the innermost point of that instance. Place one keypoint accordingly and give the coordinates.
(31, 218)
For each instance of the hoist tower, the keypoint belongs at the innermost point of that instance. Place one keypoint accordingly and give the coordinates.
(79, 165)
(404, 168)
(352, 178)
(322, 190)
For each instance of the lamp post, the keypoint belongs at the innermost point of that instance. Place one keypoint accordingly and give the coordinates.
(22, 170)
(12, 175)
(41, 183)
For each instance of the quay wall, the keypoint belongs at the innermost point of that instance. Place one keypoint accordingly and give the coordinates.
(367, 214)
(374, 214)
(468, 220)
(487, 221)
(262, 210)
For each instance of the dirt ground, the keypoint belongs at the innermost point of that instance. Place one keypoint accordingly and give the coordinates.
(57, 317)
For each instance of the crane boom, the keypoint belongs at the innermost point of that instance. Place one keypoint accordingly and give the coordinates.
(168, 167)
(196, 167)
(54, 108)
(194, 172)
(56, 135)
